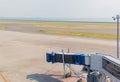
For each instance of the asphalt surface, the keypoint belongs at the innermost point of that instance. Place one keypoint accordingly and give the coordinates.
(23, 55)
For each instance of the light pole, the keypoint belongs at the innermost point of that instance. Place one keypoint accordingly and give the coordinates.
(117, 18)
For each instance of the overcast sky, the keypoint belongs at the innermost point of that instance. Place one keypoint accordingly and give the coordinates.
(60, 8)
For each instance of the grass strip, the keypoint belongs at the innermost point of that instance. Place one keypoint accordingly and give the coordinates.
(3, 28)
(81, 34)
(60, 24)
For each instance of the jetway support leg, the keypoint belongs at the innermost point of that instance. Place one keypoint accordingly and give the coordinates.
(69, 74)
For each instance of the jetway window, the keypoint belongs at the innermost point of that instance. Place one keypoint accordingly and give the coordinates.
(111, 67)
(68, 59)
(59, 58)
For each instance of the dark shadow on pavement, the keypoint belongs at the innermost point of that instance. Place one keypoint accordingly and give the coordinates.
(42, 78)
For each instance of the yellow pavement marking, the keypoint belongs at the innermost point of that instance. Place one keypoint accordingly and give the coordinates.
(3, 77)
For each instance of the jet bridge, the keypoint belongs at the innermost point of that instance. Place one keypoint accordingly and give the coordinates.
(106, 65)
